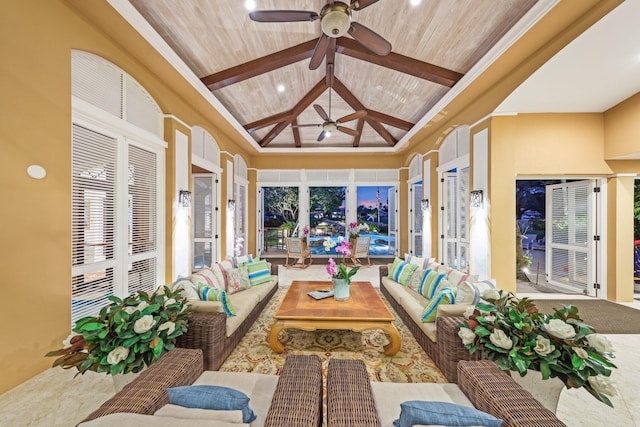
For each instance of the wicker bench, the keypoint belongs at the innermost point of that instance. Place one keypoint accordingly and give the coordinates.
(351, 401)
(297, 400)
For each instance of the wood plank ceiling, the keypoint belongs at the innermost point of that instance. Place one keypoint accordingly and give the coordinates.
(243, 62)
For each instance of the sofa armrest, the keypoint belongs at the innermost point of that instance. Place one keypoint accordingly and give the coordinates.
(350, 400)
(384, 271)
(207, 331)
(147, 393)
(206, 307)
(452, 310)
(297, 400)
(494, 391)
(450, 347)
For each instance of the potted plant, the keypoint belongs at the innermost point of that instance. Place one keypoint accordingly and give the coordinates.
(340, 274)
(517, 337)
(127, 335)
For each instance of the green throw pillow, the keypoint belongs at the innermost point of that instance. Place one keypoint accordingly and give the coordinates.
(259, 272)
(402, 271)
(430, 282)
(208, 293)
(446, 296)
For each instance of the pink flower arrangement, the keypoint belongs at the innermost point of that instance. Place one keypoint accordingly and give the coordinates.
(340, 271)
(305, 231)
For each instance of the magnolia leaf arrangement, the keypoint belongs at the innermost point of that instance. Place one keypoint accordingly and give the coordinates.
(517, 337)
(127, 335)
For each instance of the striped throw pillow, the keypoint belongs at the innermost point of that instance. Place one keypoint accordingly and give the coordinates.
(446, 296)
(430, 282)
(208, 293)
(207, 277)
(401, 271)
(259, 272)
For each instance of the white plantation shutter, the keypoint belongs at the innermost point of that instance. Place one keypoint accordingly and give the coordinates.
(142, 220)
(93, 221)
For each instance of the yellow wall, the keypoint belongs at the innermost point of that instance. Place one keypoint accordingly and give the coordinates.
(622, 129)
(35, 128)
(620, 238)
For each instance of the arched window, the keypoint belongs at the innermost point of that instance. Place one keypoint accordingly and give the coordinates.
(117, 179)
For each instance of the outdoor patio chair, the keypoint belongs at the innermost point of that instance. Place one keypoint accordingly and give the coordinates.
(298, 253)
(361, 250)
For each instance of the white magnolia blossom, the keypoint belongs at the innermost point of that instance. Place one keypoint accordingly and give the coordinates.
(600, 343)
(66, 343)
(491, 294)
(169, 326)
(130, 309)
(467, 336)
(581, 352)
(490, 318)
(142, 306)
(169, 302)
(603, 385)
(143, 324)
(500, 339)
(117, 355)
(559, 328)
(328, 244)
(543, 346)
(469, 311)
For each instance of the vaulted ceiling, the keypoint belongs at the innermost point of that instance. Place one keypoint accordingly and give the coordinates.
(260, 71)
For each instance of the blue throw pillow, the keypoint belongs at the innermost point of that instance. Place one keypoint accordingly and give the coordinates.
(212, 397)
(443, 413)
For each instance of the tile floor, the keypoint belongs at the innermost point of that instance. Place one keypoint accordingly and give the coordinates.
(55, 398)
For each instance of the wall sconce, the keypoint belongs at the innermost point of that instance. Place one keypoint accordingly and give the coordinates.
(424, 204)
(184, 198)
(476, 198)
(231, 205)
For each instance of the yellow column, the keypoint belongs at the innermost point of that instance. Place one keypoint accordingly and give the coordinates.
(620, 238)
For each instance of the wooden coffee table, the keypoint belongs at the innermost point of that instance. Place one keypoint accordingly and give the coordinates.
(363, 310)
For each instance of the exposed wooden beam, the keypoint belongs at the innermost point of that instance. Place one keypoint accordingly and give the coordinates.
(355, 103)
(259, 66)
(359, 128)
(390, 120)
(267, 121)
(296, 133)
(401, 63)
(314, 93)
(330, 61)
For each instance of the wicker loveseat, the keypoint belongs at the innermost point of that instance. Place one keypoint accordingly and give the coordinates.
(292, 399)
(216, 333)
(354, 401)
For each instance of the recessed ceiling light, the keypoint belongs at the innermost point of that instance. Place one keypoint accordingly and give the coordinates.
(250, 5)
(280, 88)
(415, 2)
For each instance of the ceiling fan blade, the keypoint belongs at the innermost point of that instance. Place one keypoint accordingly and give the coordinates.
(357, 115)
(283, 15)
(322, 135)
(319, 52)
(370, 39)
(321, 112)
(349, 131)
(361, 4)
(306, 126)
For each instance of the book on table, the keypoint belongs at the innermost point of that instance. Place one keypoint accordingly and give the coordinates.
(321, 294)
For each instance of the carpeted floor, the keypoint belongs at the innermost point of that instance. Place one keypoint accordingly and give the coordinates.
(605, 316)
(410, 364)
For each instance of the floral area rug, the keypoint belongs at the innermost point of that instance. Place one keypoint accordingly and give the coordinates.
(410, 364)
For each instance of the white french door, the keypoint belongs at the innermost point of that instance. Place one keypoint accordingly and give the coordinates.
(571, 236)
(454, 219)
(205, 220)
(415, 218)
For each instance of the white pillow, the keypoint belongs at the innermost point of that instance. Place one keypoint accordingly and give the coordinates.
(186, 288)
(470, 292)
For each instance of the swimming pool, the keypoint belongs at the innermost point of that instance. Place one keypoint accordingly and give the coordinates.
(381, 244)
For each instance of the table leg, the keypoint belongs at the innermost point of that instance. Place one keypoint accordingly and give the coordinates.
(395, 341)
(274, 342)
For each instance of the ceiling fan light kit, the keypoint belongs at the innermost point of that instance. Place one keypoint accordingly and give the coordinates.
(335, 19)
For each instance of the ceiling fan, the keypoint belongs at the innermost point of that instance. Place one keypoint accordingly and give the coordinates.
(335, 21)
(329, 126)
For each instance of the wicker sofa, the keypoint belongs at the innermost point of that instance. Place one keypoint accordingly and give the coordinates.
(439, 339)
(292, 399)
(354, 401)
(217, 334)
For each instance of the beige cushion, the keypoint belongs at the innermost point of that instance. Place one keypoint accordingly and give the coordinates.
(389, 396)
(259, 387)
(243, 302)
(207, 306)
(177, 411)
(140, 420)
(263, 289)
